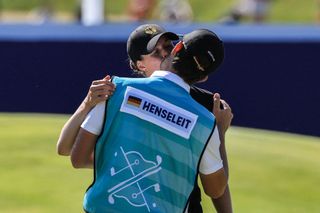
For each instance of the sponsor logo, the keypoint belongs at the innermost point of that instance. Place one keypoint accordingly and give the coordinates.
(150, 30)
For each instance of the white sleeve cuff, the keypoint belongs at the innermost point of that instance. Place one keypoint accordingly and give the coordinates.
(211, 160)
(211, 170)
(90, 128)
(93, 123)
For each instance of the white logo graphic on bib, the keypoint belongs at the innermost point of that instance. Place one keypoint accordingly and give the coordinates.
(159, 112)
(139, 169)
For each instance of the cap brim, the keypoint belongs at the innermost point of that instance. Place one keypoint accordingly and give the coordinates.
(153, 42)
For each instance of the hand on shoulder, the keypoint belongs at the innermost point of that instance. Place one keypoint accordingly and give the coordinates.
(100, 90)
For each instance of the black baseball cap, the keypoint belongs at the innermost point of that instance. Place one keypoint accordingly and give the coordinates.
(201, 50)
(144, 39)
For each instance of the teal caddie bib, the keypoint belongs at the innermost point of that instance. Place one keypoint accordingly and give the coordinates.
(147, 157)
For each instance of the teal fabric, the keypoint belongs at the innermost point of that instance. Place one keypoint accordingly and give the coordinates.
(143, 167)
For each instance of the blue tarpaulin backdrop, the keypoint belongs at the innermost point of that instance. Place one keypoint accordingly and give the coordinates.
(270, 76)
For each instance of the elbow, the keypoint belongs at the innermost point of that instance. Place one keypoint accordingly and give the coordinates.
(214, 184)
(78, 162)
(216, 193)
(61, 151)
(77, 165)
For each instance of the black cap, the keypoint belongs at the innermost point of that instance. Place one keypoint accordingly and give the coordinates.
(201, 50)
(144, 39)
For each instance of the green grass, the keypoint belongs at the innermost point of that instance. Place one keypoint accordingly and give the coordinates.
(274, 172)
(284, 11)
(269, 171)
(33, 177)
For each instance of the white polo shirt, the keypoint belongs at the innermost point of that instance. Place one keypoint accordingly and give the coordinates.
(211, 160)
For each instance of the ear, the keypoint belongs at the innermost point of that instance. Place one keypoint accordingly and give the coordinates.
(141, 66)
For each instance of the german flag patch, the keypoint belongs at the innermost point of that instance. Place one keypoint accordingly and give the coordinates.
(134, 101)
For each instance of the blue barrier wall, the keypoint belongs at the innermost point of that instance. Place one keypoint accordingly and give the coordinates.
(270, 75)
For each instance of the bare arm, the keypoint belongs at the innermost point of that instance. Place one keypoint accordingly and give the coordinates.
(214, 184)
(83, 149)
(99, 91)
(223, 118)
(223, 204)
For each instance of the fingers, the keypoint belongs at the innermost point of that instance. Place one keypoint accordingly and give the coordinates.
(223, 116)
(216, 102)
(100, 93)
(96, 82)
(108, 86)
(108, 78)
(216, 96)
(225, 104)
(105, 80)
(226, 107)
(100, 90)
(96, 96)
(102, 81)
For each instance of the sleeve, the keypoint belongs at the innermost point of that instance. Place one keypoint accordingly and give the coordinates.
(211, 160)
(93, 122)
(202, 96)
